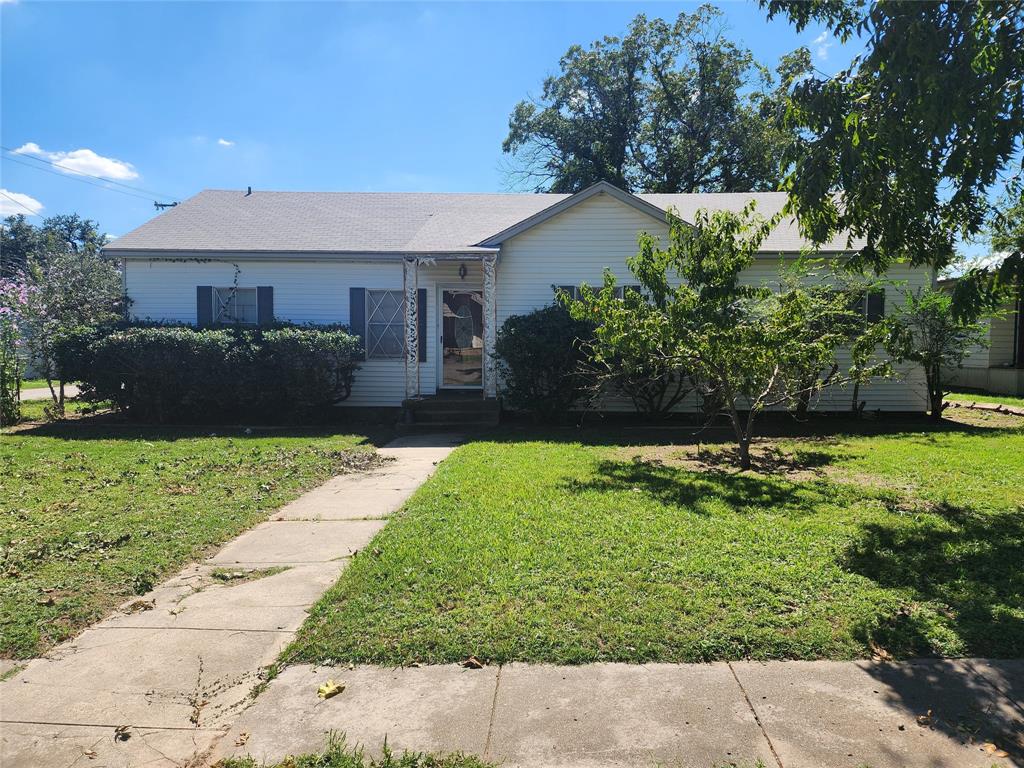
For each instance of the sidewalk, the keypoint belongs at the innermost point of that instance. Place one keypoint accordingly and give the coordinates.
(43, 393)
(179, 664)
(789, 714)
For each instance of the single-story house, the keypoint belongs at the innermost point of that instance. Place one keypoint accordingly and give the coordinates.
(425, 278)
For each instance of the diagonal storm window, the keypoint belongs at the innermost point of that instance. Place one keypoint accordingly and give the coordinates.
(385, 311)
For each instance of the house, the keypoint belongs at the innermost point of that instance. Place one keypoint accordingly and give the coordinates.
(997, 366)
(424, 278)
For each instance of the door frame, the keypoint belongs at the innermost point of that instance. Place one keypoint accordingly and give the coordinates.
(439, 299)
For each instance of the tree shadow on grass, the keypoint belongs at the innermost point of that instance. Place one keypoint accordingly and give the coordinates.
(965, 578)
(627, 430)
(679, 487)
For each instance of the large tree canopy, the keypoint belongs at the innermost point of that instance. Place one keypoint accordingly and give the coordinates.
(670, 107)
(904, 147)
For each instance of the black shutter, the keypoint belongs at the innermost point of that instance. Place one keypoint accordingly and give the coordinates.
(204, 305)
(357, 314)
(421, 322)
(876, 306)
(265, 304)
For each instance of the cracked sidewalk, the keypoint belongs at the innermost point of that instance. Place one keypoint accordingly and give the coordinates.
(813, 714)
(179, 664)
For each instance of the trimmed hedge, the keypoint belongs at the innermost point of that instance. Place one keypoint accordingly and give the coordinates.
(184, 374)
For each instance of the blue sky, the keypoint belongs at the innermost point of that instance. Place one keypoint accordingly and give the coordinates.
(172, 98)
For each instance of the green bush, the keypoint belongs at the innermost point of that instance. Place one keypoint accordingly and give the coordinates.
(184, 374)
(539, 356)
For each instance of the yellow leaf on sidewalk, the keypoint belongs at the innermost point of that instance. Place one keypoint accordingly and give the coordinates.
(330, 688)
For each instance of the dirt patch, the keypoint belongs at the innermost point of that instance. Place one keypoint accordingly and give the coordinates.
(769, 457)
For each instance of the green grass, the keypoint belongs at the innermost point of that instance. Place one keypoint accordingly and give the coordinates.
(981, 397)
(338, 755)
(35, 384)
(550, 550)
(91, 515)
(35, 410)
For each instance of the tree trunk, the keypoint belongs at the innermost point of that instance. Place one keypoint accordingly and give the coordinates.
(934, 382)
(744, 446)
(803, 405)
(855, 406)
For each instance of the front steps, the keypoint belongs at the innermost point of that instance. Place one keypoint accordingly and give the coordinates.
(451, 409)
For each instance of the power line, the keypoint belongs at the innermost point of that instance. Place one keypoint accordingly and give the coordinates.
(76, 178)
(18, 202)
(77, 172)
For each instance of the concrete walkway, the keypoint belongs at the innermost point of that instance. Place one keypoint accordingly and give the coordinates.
(43, 393)
(932, 714)
(178, 665)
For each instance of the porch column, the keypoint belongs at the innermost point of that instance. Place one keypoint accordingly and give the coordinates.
(490, 321)
(410, 277)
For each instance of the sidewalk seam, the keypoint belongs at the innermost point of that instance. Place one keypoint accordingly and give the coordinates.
(978, 673)
(494, 709)
(757, 719)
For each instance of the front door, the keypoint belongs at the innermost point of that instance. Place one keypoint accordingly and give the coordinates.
(462, 338)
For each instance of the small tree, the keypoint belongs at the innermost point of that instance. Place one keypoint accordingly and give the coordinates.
(622, 361)
(748, 348)
(14, 297)
(927, 331)
(72, 289)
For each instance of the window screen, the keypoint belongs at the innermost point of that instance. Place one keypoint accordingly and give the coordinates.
(385, 324)
(235, 305)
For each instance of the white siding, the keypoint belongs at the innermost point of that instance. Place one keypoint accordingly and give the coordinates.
(569, 249)
(1001, 335)
(578, 245)
(304, 292)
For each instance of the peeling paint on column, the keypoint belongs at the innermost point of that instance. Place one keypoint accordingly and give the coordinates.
(490, 320)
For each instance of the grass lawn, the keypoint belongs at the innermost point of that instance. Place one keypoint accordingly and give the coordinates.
(985, 398)
(92, 514)
(556, 550)
(35, 384)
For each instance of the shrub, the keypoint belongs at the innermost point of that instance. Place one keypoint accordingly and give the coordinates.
(182, 374)
(539, 356)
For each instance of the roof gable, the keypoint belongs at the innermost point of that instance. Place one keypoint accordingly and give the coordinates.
(600, 188)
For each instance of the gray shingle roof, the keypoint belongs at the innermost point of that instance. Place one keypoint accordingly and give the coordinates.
(382, 222)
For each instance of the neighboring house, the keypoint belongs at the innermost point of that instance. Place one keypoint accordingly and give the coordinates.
(425, 279)
(999, 366)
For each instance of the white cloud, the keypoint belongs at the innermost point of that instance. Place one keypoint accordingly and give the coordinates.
(225, 143)
(81, 162)
(823, 42)
(13, 203)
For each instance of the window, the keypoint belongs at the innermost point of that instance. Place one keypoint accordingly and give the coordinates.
(235, 305)
(385, 325)
(871, 305)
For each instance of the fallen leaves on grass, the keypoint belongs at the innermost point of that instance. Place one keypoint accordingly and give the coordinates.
(472, 663)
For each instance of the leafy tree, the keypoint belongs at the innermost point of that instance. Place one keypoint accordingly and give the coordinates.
(22, 242)
(620, 360)
(670, 107)
(928, 332)
(73, 287)
(19, 239)
(748, 348)
(14, 298)
(903, 147)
